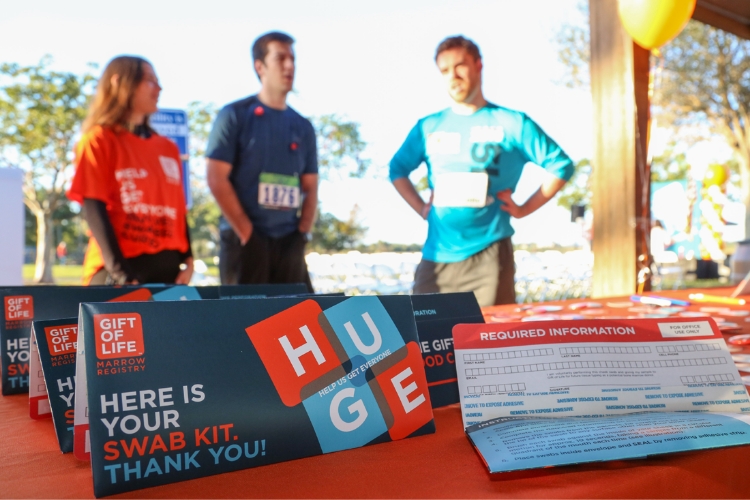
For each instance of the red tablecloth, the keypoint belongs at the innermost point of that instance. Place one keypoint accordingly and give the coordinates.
(442, 465)
(743, 322)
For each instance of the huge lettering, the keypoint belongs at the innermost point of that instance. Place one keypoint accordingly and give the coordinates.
(350, 369)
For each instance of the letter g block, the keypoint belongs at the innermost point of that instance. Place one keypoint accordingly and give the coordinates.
(347, 417)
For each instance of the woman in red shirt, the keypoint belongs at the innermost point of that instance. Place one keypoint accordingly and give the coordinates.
(129, 181)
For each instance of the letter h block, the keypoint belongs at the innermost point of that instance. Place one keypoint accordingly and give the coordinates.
(294, 349)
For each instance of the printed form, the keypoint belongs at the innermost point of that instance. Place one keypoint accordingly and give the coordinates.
(595, 368)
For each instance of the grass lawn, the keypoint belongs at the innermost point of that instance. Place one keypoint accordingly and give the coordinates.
(71, 275)
(63, 275)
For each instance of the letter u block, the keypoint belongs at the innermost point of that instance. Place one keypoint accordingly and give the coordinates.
(364, 327)
(179, 292)
(294, 349)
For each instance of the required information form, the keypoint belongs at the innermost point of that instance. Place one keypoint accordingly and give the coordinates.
(595, 368)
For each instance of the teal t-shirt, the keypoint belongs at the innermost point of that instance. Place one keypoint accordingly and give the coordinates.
(495, 140)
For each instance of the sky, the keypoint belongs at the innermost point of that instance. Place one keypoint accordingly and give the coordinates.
(370, 62)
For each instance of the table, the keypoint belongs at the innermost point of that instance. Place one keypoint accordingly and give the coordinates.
(606, 311)
(441, 465)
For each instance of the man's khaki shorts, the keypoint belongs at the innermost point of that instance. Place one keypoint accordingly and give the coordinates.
(490, 274)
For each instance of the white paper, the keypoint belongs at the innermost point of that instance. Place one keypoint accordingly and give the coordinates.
(461, 189)
(553, 369)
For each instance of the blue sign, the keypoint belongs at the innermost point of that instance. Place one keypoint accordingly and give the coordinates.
(173, 123)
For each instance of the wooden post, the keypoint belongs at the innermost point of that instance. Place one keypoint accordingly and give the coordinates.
(621, 175)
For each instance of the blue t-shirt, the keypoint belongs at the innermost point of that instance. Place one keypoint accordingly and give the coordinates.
(257, 139)
(495, 140)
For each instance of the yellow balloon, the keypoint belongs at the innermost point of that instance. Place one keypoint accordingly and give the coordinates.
(716, 175)
(652, 23)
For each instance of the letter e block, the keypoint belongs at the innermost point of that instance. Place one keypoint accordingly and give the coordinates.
(404, 387)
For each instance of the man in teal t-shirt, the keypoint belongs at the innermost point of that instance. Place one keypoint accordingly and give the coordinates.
(475, 152)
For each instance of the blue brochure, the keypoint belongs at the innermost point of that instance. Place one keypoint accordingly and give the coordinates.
(513, 444)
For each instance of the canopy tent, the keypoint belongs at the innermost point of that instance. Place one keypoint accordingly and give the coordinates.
(730, 15)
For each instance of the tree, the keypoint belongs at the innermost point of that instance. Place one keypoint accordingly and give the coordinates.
(69, 227)
(40, 114)
(577, 191)
(203, 219)
(340, 147)
(706, 81)
(702, 82)
(204, 213)
(669, 166)
(332, 234)
(574, 49)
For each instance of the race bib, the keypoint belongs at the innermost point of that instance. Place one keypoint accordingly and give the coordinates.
(279, 192)
(461, 189)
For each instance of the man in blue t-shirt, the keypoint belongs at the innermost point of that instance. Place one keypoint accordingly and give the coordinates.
(475, 152)
(263, 172)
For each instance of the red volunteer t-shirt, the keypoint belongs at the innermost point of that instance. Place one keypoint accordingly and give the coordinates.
(140, 181)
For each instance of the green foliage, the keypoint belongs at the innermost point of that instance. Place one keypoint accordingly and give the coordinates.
(203, 219)
(200, 118)
(422, 185)
(69, 274)
(706, 76)
(40, 115)
(705, 85)
(573, 48)
(384, 246)
(578, 190)
(340, 147)
(204, 213)
(331, 234)
(669, 166)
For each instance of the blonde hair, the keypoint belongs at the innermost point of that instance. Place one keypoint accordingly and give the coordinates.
(114, 93)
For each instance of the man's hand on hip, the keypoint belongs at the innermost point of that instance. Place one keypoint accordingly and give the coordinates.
(508, 205)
